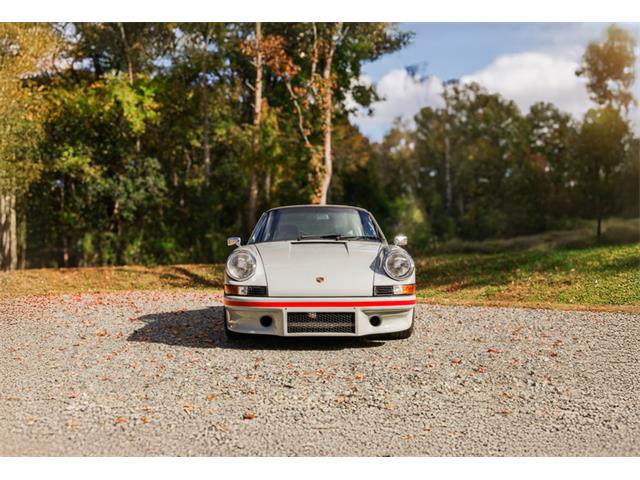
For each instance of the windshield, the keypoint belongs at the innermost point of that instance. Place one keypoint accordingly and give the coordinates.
(309, 223)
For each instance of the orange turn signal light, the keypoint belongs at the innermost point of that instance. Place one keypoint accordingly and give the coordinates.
(234, 289)
(404, 289)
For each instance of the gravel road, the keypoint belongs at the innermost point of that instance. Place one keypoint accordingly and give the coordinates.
(150, 373)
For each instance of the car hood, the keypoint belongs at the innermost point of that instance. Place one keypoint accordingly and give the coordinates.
(319, 268)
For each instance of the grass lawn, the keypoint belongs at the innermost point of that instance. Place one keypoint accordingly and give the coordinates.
(605, 277)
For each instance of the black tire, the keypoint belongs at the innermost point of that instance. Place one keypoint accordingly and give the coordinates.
(230, 334)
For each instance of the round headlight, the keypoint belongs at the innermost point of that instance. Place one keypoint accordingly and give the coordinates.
(398, 264)
(241, 265)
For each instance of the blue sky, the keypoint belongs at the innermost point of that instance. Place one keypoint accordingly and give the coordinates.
(526, 62)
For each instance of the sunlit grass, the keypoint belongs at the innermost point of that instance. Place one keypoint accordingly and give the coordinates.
(68, 280)
(603, 277)
(606, 276)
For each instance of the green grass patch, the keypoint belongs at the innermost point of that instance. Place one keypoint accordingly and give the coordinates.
(604, 276)
(607, 276)
(71, 280)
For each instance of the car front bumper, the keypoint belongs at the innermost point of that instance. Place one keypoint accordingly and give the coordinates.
(395, 314)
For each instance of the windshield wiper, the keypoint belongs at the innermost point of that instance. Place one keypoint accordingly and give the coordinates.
(358, 237)
(334, 236)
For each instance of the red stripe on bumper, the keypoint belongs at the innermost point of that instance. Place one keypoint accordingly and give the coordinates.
(393, 303)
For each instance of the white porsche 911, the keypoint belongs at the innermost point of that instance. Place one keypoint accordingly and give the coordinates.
(319, 271)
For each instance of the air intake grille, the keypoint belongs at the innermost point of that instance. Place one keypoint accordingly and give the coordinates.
(383, 290)
(321, 322)
(256, 291)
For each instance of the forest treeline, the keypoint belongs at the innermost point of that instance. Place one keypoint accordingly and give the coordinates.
(152, 142)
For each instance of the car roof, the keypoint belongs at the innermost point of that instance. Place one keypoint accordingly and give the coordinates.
(317, 206)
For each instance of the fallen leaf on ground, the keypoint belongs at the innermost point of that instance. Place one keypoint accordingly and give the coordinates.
(118, 420)
(73, 424)
(145, 420)
(188, 408)
(211, 396)
(248, 416)
(456, 361)
(493, 350)
(102, 334)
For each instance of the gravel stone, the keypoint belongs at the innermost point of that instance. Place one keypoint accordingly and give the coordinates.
(151, 373)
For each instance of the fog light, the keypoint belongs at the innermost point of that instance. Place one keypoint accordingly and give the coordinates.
(375, 321)
(266, 321)
(235, 289)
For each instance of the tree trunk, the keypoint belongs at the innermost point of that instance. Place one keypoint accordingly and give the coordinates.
(257, 119)
(328, 116)
(327, 160)
(8, 233)
(598, 202)
(267, 186)
(447, 174)
(4, 234)
(127, 54)
(65, 238)
(22, 237)
(205, 110)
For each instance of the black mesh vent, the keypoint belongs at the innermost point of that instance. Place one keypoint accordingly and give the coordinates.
(256, 291)
(383, 290)
(321, 322)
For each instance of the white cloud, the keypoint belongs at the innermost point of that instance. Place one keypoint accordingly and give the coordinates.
(530, 77)
(525, 78)
(404, 95)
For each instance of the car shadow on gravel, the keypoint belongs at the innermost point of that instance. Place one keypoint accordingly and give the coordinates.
(204, 329)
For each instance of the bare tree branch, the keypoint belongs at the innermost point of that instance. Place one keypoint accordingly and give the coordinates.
(299, 111)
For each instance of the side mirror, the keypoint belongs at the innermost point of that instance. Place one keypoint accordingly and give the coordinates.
(400, 240)
(231, 241)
